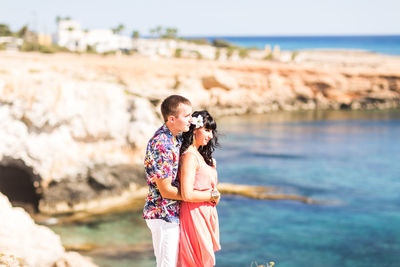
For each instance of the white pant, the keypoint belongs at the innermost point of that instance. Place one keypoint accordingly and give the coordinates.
(165, 237)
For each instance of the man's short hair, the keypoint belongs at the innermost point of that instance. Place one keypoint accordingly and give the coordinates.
(170, 105)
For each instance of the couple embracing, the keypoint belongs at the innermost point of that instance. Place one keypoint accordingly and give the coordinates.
(180, 208)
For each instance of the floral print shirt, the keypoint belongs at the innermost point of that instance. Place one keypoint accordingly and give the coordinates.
(161, 161)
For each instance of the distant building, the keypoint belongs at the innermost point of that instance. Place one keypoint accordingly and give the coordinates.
(71, 36)
(168, 48)
(11, 43)
(44, 39)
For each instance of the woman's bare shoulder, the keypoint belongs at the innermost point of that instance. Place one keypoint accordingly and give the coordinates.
(189, 156)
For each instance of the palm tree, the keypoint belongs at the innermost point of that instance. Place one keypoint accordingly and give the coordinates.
(23, 31)
(5, 30)
(170, 33)
(159, 30)
(118, 29)
(156, 32)
(135, 34)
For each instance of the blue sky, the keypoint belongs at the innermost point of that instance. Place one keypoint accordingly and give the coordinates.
(213, 17)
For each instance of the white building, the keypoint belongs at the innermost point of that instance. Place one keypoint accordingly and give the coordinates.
(168, 48)
(71, 36)
(11, 43)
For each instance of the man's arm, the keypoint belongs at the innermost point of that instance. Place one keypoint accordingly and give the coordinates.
(167, 190)
(162, 173)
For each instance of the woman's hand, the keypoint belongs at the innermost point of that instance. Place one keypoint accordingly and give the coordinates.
(215, 201)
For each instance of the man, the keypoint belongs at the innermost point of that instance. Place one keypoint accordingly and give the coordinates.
(161, 210)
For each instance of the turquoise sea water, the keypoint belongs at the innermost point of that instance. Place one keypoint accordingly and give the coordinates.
(383, 44)
(346, 160)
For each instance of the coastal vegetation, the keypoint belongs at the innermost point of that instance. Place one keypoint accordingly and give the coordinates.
(164, 32)
(59, 18)
(135, 34)
(198, 48)
(217, 54)
(197, 41)
(46, 49)
(21, 33)
(5, 30)
(178, 53)
(221, 43)
(30, 40)
(269, 56)
(118, 29)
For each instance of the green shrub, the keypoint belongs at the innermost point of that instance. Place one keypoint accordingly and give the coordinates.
(170, 33)
(217, 54)
(126, 52)
(198, 54)
(269, 57)
(47, 49)
(221, 43)
(243, 53)
(29, 46)
(199, 41)
(113, 52)
(178, 53)
(5, 30)
(294, 55)
(90, 49)
(135, 34)
(50, 49)
(229, 51)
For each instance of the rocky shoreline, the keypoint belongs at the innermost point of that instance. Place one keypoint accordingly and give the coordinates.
(24, 243)
(74, 127)
(133, 199)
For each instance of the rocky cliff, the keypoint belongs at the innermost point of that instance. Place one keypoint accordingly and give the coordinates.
(74, 127)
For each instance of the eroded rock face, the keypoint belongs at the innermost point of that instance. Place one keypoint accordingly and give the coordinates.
(100, 188)
(265, 87)
(62, 122)
(34, 245)
(60, 126)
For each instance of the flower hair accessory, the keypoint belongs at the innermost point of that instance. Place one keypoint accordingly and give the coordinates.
(198, 121)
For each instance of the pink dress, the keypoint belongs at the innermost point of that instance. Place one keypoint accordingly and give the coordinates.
(199, 228)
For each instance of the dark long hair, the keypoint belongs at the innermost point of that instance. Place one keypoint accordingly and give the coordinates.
(207, 150)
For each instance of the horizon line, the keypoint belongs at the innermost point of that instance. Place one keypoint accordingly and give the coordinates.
(290, 35)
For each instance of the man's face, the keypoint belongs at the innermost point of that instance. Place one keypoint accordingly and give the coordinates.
(183, 118)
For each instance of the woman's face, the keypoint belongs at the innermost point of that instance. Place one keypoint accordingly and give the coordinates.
(202, 136)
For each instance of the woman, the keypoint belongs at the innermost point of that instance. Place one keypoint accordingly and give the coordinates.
(199, 229)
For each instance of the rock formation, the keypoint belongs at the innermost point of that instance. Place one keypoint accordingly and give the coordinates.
(23, 243)
(59, 124)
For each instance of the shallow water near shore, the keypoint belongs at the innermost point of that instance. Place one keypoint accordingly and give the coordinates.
(348, 160)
